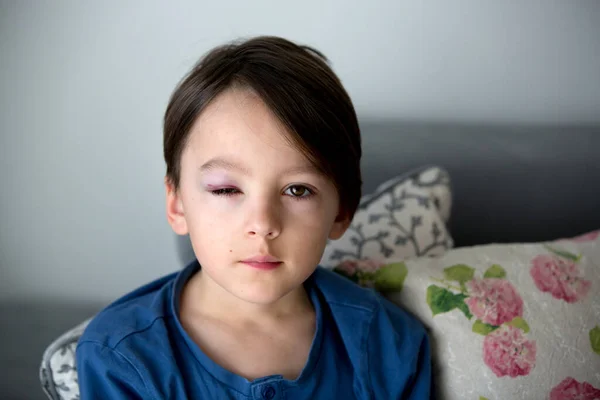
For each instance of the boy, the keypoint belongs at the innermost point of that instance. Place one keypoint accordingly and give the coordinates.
(262, 147)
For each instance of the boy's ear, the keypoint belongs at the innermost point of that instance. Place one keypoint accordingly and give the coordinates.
(175, 212)
(340, 225)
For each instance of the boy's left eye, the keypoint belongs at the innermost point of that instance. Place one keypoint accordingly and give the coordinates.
(299, 191)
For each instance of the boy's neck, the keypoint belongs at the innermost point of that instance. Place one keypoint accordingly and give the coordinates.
(206, 297)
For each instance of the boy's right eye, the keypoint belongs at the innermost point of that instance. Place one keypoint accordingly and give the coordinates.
(225, 192)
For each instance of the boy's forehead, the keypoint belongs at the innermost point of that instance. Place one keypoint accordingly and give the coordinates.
(240, 124)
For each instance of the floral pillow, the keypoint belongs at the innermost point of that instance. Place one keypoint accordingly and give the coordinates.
(405, 217)
(507, 321)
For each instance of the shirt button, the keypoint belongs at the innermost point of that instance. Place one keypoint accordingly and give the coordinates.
(268, 392)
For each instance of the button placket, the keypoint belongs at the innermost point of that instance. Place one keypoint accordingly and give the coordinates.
(267, 391)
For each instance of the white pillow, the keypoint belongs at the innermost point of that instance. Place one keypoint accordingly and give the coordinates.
(508, 321)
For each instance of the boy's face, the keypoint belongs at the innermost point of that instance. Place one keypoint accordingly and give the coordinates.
(245, 192)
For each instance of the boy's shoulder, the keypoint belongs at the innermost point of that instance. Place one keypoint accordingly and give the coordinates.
(340, 291)
(350, 303)
(134, 312)
(387, 346)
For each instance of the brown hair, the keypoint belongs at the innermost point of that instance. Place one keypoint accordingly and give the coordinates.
(299, 87)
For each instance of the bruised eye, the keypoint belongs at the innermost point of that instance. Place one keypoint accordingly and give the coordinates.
(299, 192)
(225, 192)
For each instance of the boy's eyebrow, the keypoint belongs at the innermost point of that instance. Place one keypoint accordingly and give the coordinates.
(220, 162)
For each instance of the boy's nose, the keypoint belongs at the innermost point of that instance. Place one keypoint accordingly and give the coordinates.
(269, 234)
(264, 221)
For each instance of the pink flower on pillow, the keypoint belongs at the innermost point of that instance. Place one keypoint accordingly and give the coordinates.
(587, 237)
(493, 301)
(561, 278)
(570, 389)
(350, 267)
(507, 352)
(368, 265)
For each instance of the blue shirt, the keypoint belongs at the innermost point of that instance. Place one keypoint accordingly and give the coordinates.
(364, 347)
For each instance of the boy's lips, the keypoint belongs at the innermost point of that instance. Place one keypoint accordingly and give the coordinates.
(263, 262)
(261, 259)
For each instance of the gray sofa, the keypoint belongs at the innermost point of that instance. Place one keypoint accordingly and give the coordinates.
(510, 184)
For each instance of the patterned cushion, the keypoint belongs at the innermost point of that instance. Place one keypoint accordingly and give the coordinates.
(405, 217)
(507, 321)
(58, 373)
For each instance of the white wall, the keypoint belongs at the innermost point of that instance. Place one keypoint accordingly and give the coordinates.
(84, 86)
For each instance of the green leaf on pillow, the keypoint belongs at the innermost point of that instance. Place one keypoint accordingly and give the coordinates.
(439, 299)
(520, 323)
(482, 328)
(495, 271)
(595, 339)
(459, 272)
(483, 398)
(442, 300)
(462, 306)
(564, 253)
(390, 278)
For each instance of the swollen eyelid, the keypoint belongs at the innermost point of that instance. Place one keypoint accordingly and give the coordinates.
(225, 192)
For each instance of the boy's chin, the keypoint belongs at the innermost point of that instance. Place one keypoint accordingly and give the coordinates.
(260, 294)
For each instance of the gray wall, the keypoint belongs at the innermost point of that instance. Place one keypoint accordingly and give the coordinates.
(84, 85)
